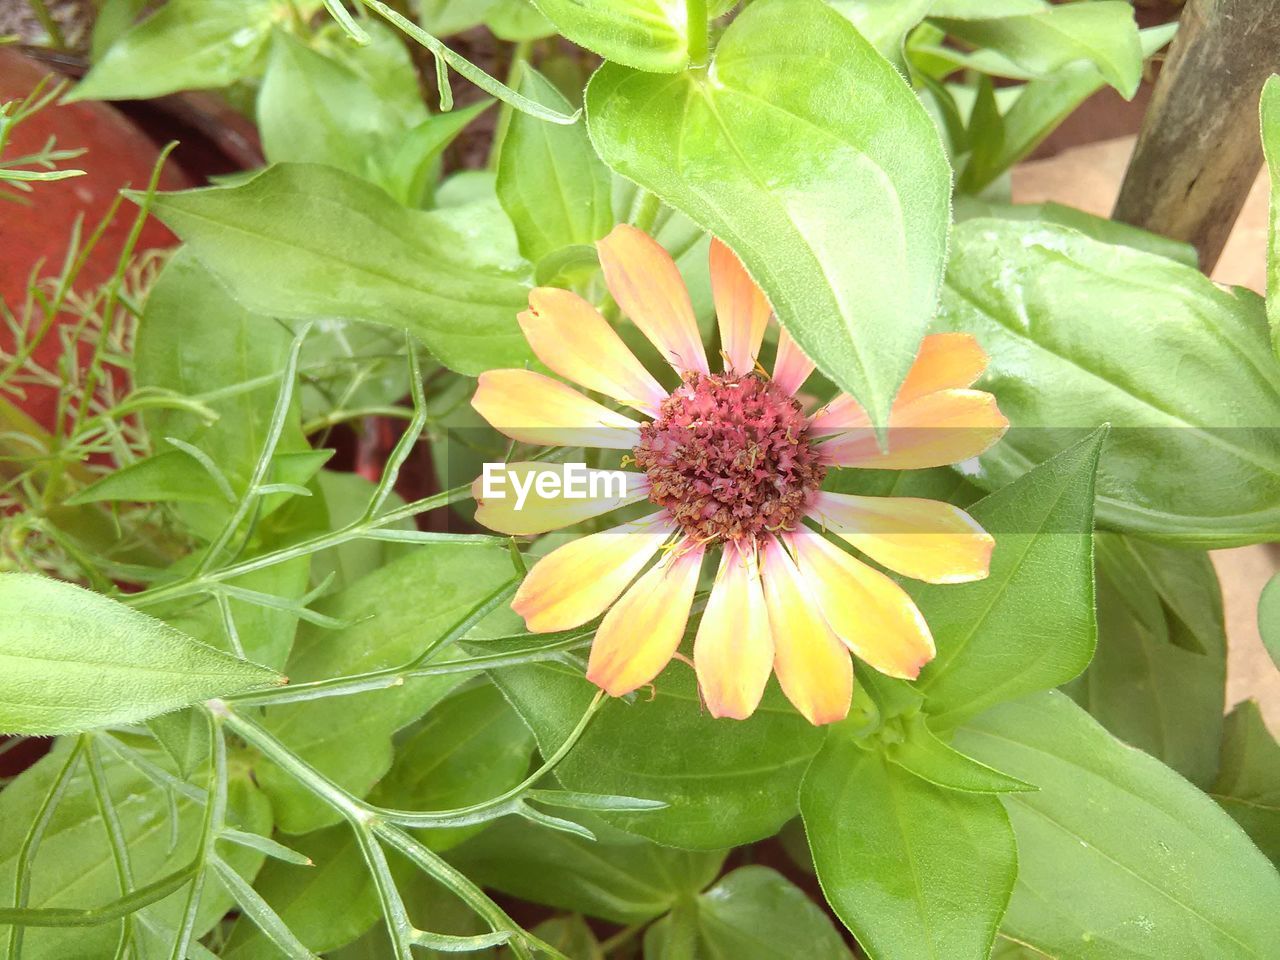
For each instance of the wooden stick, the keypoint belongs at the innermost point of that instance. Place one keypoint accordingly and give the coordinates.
(1199, 150)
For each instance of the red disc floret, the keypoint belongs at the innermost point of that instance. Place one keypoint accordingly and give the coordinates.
(729, 458)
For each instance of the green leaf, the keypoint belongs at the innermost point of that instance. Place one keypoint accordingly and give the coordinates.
(848, 245)
(75, 660)
(75, 867)
(517, 21)
(1099, 228)
(1248, 783)
(616, 877)
(570, 935)
(912, 869)
(550, 181)
(885, 23)
(1039, 108)
(1269, 618)
(445, 17)
(185, 45)
(349, 741)
(1158, 680)
(409, 172)
(726, 783)
(340, 247)
(312, 109)
(173, 476)
(471, 747)
(1270, 111)
(649, 35)
(326, 905)
(922, 753)
(1081, 333)
(184, 736)
(752, 912)
(1102, 33)
(1119, 856)
(1029, 625)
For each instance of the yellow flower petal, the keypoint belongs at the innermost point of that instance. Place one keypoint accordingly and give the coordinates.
(741, 309)
(647, 286)
(569, 336)
(531, 408)
(642, 631)
(874, 616)
(812, 665)
(946, 361)
(931, 431)
(577, 582)
(922, 539)
(529, 497)
(733, 651)
(791, 368)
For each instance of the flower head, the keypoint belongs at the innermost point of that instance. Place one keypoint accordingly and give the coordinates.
(733, 464)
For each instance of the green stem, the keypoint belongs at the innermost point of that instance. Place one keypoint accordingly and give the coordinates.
(647, 209)
(697, 21)
(49, 24)
(519, 57)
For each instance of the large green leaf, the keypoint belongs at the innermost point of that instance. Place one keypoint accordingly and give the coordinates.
(185, 45)
(1118, 856)
(914, 870)
(393, 614)
(1029, 625)
(807, 153)
(1158, 681)
(74, 660)
(550, 181)
(75, 867)
(753, 912)
(340, 247)
(470, 748)
(649, 35)
(1081, 333)
(616, 877)
(1102, 33)
(1248, 783)
(884, 22)
(726, 782)
(1270, 110)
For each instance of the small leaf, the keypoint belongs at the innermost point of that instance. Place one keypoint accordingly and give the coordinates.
(1118, 856)
(1269, 618)
(550, 181)
(75, 660)
(617, 877)
(1248, 784)
(1041, 41)
(912, 869)
(923, 754)
(1029, 625)
(849, 245)
(172, 476)
(649, 35)
(185, 45)
(755, 913)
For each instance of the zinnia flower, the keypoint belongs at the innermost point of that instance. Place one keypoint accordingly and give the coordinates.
(731, 461)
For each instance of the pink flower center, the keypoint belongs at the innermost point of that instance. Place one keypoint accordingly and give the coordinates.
(729, 458)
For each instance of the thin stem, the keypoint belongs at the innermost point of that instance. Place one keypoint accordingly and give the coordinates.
(519, 57)
(397, 919)
(214, 815)
(115, 838)
(647, 211)
(31, 844)
(697, 26)
(49, 24)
